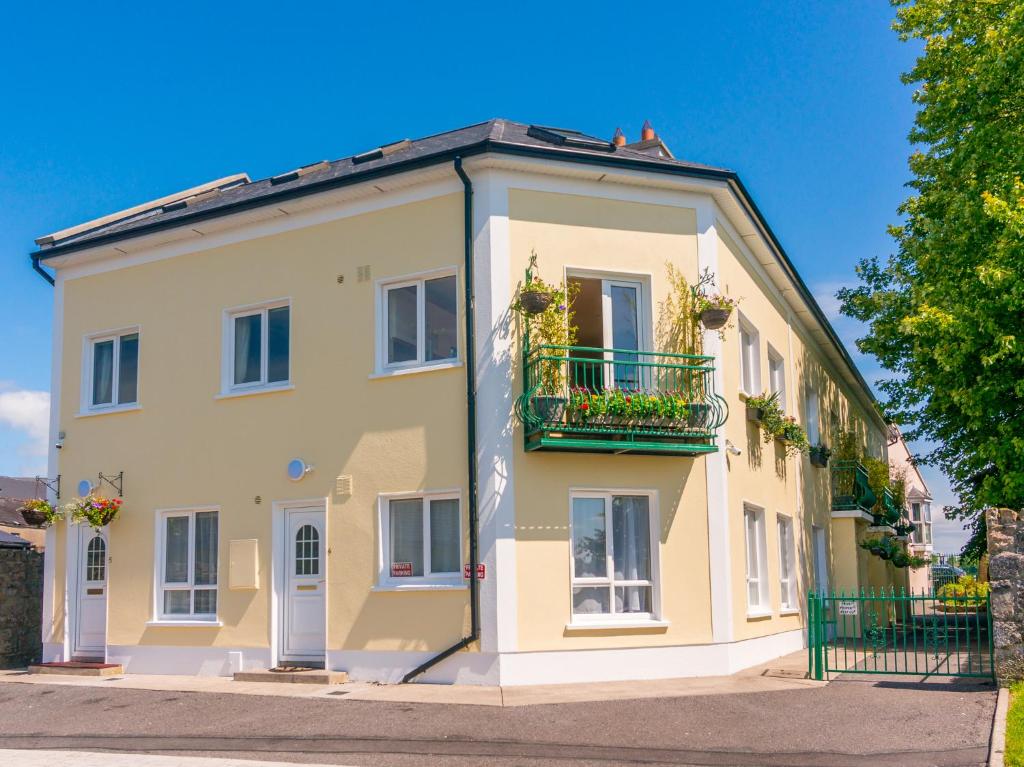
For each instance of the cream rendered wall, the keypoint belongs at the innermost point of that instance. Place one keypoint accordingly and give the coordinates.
(570, 231)
(187, 447)
(762, 475)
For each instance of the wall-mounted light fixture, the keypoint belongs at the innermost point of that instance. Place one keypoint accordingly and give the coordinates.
(297, 469)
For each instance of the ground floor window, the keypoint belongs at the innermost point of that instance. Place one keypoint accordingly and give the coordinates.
(187, 582)
(613, 556)
(787, 564)
(421, 538)
(757, 560)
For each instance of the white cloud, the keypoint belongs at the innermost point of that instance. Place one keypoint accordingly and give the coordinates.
(825, 294)
(26, 413)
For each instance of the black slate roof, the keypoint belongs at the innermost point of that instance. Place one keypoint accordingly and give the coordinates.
(494, 135)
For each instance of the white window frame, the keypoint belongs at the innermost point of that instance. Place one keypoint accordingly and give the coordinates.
(749, 368)
(777, 375)
(763, 606)
(590, 620)
(429, 580)
(228, 385)
(419, 279)
(160, 570)
(88, 345)
(787, 563)
(812, 415)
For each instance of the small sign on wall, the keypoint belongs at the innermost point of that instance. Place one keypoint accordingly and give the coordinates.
(847, 607)
(481, 571)
(401, 569)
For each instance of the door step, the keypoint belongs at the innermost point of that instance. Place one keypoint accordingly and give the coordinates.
(77, 668)
(293, 675)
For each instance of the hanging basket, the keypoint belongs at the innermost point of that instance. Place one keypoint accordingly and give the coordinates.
(535, 301)
(35, 517)
(755, 414)
(819, 457)
(715, 318)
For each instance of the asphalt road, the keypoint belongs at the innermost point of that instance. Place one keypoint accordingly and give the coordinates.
(887, 722)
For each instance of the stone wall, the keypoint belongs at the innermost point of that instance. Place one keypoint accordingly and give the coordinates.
(21, 607)
(1006, 577)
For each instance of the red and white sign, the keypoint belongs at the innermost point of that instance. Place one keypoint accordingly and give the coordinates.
(401, 569)
(481, 571)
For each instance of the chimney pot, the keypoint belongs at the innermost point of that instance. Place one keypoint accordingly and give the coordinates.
(619, 139)
(647, 132)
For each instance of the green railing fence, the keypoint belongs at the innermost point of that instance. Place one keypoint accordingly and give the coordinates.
(850, 488)
(890, 632)
(582, 397)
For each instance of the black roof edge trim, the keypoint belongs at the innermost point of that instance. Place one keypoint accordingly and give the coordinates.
(616, 161)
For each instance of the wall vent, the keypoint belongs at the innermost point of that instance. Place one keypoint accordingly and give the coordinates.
(343, 485)
(363, 273)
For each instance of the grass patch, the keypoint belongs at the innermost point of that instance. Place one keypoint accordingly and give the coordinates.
(1014, 755)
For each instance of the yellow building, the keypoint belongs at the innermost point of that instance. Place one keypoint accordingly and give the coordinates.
(315, 439)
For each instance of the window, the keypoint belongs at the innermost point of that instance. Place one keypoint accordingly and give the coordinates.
(307, 551)
(258, 348)
(418, 323)
(421, 538)
(757, 558)
(750, 358)
(811, 416)
(112, 371)
(777, 376)
(96, 560)
(188, 565)
(613, 571)
(787, 564)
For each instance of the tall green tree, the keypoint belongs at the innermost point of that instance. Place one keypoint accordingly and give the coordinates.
(946, 312)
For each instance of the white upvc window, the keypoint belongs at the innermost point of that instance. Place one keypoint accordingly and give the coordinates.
(787, 564)
(750, 358)
(811, 416)
(417, 322)
(777, 376)
(614, 562)
(757, 561)
(420, 539)
(187, 560)
(110, 373)
(257, 347)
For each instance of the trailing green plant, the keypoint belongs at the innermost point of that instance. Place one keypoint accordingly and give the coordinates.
(776, 425)
(551, 327)
(93, 510)
(890, 551)
(41, 509)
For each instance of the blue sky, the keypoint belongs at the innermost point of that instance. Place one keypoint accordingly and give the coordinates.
(107, 106)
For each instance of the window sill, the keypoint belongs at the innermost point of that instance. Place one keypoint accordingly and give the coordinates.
(254, 391)
(416, 369)
(757, 615)
(420, 587)
(789, 611)
(614, 625)
(184, 623)
(109, 410)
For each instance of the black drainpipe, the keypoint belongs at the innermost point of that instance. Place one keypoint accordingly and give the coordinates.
(46, 275)
(474, 587)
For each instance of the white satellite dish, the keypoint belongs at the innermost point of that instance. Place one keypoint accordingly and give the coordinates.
(297, 469)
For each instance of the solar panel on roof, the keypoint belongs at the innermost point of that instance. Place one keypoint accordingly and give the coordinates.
(569, 138)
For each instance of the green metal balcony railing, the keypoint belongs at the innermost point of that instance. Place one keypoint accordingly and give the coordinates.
(850, 488)
(887, 513)
(589, 399)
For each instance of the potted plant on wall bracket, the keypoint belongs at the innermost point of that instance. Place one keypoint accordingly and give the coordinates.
(819, 455)
(889, 550)
(94, 510)
(765, 410)
(714, 309)
(536, 295)
(762, 407)
(39, 513)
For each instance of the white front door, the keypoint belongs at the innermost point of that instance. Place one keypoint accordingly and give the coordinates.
(304, 607)
(91, 629)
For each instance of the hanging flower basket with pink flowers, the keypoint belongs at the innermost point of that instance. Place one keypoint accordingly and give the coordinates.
(93, 510)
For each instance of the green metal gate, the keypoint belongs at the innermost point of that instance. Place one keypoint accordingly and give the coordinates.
(898, 633)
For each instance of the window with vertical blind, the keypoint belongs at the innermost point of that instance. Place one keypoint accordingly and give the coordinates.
(111, 371)
(421, 540)
(787, 564)
(187, 582)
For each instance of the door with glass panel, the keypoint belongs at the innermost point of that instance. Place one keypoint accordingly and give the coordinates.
(621, 301)
(613, 563)
(304, 608)
(91, 629)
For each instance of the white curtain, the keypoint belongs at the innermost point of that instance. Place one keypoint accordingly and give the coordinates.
(444, 536)
(406, 531)
(103, 373)
(631, 547)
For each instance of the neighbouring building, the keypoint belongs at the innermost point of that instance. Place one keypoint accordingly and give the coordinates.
(320, 412)
(919, 503)
(14, 491)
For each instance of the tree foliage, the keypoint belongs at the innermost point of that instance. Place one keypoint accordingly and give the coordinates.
(946, 311)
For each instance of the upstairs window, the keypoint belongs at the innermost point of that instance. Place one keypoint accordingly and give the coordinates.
(750, 358)
(777, 376)
(418, 322)
(811, 416)
(258, 348)
(112, 370)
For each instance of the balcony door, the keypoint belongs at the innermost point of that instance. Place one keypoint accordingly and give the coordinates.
(611, 315)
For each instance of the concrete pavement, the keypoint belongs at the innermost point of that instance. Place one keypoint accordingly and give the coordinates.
(42, 758)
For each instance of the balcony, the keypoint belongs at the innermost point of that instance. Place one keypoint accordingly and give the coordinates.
(595, 400)
(850, 488)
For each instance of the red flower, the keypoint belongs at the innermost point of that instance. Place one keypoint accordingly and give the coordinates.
(628, 400)
(585, 406)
